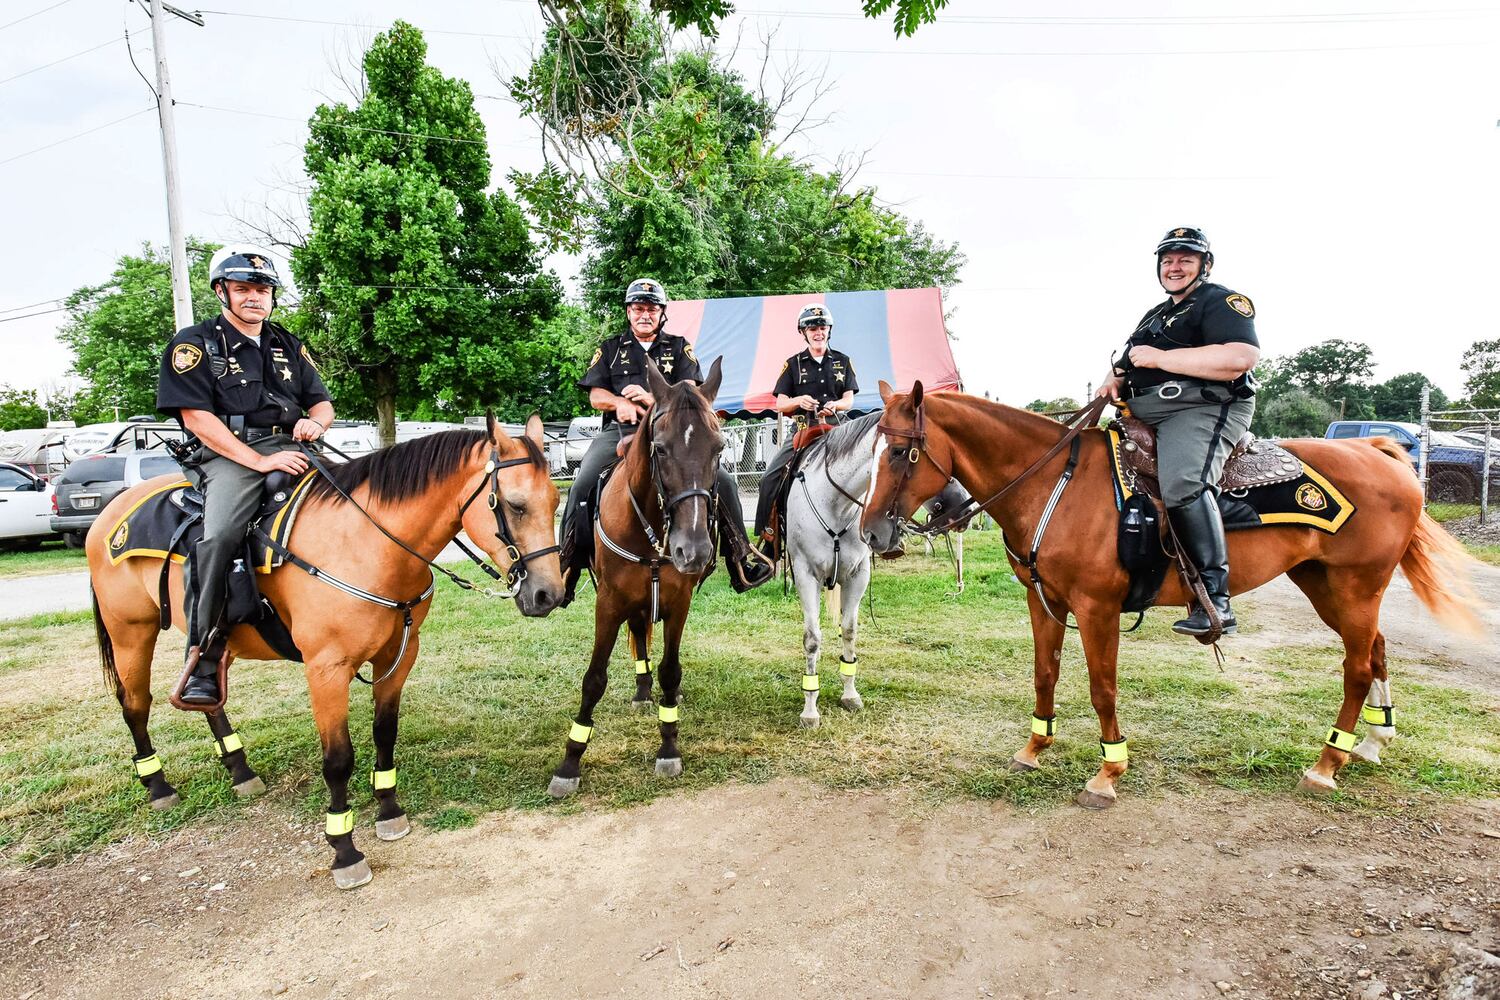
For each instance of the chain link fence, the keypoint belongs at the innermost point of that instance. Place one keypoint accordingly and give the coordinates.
(1458, 457)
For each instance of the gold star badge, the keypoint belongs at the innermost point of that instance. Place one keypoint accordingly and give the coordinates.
(666, 364)
(286, 374)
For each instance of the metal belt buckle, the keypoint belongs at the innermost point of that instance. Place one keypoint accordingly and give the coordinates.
(1170, 390)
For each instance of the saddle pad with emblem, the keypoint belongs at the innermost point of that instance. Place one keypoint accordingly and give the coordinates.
(148, 528)
(1306, 498)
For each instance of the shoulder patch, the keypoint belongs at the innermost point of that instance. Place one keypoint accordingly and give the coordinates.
(185, 358)
(785, 365)
(598, 353)
(1240, 304)
(308, 358)
(688, 350)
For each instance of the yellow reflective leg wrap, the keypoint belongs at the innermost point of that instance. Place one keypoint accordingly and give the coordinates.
(665, 714)
(580, 733)
(229, 744)
(809, 682)
(1340, 740)
(1114, 753)
(643, 666)
(339, 824)
(848, 667)
(1381, 716)
(381, 780)
(1043, 727)
(147, 766)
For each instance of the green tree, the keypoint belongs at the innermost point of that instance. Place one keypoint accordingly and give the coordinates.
(1481, 365)
(19, 408)
(418, 285)
(118, 330)
(1336, 371)
(1400, 398)
(706, 14)
(1293, 413)
(1059, 405)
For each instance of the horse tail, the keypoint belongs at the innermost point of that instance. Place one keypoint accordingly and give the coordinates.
(1438, 568)
(106, 648)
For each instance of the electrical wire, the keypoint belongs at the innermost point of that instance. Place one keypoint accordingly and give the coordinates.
(12, 24)
(79, 135)
(55, 62)
(352, 128)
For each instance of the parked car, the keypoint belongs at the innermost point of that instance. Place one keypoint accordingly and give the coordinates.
(1454, 464)
(25, 506)
(136, 434)
(89, 484)
(581, 433)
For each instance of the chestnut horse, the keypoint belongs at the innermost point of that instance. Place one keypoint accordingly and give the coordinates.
(988, 447)
(653, 544)
(421, 492)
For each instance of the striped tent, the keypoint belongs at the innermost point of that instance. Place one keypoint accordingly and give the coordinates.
(897, 335)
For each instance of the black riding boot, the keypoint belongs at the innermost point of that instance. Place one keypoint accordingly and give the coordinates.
(202, 687)
(1201, 532)
(748, 568)
(568, 554)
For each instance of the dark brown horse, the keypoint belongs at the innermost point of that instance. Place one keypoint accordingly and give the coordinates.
(987, 447)
(422, 492)
(653, 544)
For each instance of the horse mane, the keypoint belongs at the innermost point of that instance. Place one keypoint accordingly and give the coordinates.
(840, 441)
(407, 469)
(1035, 421)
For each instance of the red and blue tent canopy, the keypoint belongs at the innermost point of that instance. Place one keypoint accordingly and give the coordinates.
(897, 335)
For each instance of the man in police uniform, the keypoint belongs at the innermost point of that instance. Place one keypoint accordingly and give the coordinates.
(1186, 371)
(815, 383)
(616, 383)
(239, 384)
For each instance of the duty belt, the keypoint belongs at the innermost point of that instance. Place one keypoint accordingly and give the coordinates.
(249, 434)
(1167, 390)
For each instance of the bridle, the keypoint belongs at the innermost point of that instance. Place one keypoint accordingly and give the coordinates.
(667, 505)
(517, 572)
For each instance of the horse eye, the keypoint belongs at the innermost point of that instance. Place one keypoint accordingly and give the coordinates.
(518, 508)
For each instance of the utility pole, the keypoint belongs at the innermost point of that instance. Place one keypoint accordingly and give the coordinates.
(182, 296)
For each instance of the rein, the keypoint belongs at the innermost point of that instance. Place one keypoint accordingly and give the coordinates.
(514, 576)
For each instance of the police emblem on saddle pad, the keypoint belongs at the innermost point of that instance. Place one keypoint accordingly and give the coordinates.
(167, 522)
(1296, 493)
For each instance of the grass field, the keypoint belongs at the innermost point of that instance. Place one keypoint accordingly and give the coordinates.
(946, 681)
(49, 557)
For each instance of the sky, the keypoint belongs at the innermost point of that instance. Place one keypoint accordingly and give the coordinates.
(1341, 156)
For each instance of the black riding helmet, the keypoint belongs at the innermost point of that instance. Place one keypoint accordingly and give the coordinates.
(241, 263)
(1189, 239)
(813, 314)
(648, 290)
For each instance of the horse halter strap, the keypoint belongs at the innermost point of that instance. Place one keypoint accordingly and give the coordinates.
(518, 559)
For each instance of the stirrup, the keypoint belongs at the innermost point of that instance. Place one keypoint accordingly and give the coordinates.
(217, 644)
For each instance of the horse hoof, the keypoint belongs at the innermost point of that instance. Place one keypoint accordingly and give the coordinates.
(166, 802)
(353, 876)
(1093, 800)
(1316, 783)
(561, 788)
(250, 787)
(809, 721)
(668, 767)
(394, 828)
(1368, 751)
(642, 707)
(853, 704)
(1019, 766)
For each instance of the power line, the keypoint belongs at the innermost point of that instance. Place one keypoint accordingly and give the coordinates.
(356, 24)
(352, 128)
(1213, 20)
(44, 312)
(38, 69)
(29, 305)
(12, 24)
(80, 135)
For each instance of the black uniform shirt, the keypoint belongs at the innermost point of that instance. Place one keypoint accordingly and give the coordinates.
(1212, 314)
(621, 361)
(826, 382)
(270, 385)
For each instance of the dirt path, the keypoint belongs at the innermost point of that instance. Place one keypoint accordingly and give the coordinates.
(787, 890)
(784, 890)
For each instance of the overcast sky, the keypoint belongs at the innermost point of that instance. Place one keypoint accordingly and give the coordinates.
(1343, 162)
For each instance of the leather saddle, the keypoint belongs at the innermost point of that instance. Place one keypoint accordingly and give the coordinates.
(1253, 462)
(802, 442)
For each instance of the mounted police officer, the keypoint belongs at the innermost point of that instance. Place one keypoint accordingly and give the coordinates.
(616, 380)
(1187, 372)
(246, 392)
(818, 382)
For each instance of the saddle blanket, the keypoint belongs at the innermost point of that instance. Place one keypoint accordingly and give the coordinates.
(150, 527)
(1309, 499)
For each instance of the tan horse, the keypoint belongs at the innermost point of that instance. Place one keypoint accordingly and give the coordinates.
(988, 446)
(496, 488)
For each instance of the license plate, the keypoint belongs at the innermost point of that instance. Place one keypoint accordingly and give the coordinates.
(85, 503)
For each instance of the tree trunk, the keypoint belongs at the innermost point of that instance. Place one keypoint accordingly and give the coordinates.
(385, 407)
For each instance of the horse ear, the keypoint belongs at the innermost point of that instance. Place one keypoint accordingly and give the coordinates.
(656, 384)
(710, 386)
(490, 427)
(534, 429)
(916, 393)
(886, 392)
